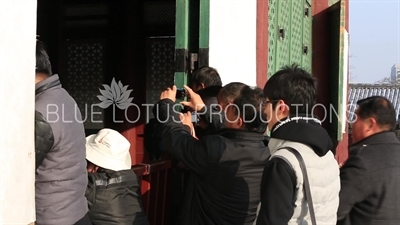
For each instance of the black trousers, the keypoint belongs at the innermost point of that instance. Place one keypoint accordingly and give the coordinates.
(84, 221)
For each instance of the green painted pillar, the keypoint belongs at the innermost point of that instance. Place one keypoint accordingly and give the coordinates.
(181, 42)
(204, 31)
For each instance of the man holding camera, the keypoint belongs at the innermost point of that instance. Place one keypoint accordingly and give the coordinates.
(207, 83)
(226, 169)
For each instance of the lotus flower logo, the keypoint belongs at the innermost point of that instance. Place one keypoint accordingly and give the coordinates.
(116, 94)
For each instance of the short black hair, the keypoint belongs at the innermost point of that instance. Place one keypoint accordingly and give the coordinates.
(43, 65)
(295, 86)
(209, 92)
(251, 106)
(206, 75)
(231, 91)
(380, 108)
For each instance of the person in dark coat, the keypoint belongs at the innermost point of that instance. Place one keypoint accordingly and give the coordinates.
(211, 116)
(206, 82)
(113, 191)
(226, 168)
(211, 120)
(370, 178)
(204, 77)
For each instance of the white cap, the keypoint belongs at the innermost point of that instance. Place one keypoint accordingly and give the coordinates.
(108, 149)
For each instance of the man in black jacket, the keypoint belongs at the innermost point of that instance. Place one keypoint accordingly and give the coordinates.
(113, 191)
(226, 169)
(212, 118)
(207, 83)
(211, 121)
(370, 179)
(205, 77)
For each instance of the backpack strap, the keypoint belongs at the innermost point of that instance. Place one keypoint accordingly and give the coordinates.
(306, 183)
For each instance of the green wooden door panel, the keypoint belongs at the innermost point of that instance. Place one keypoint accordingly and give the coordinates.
(337, 18)
(342, 80)
(272, 35)
(296, 32)
(307, 37)
(283, 43)
(289, 34)
(332, 2)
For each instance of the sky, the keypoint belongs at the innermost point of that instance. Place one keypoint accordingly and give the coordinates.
(374, 39)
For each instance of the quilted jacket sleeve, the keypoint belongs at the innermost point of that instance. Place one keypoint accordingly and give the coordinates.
(44, 138)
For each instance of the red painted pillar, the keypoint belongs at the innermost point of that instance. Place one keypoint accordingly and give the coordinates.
(262, 43)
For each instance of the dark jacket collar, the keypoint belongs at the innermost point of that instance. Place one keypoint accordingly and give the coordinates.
(47, 83)
(306, 130)
(241, 135)
(385, 137)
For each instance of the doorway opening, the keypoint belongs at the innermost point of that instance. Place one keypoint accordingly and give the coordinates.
(93, 42)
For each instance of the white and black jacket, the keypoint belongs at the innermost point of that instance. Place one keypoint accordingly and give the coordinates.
(282, 195)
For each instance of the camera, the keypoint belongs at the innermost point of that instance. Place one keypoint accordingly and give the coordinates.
(180, 93)
(195, 118)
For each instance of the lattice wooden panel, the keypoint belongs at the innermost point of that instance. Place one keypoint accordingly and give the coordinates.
(289, 34)
(307, 38)
(84, 76)
(159, 12)
(283, 43)
(86, 10)
(160, 67)
(272, 35)
(86, 23)
(296, 32)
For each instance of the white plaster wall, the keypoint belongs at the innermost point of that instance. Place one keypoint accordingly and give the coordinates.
(17, 72)
(233, 40)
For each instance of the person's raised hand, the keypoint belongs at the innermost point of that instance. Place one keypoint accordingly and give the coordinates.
(195, 103)
(186, 119)
(169, 94)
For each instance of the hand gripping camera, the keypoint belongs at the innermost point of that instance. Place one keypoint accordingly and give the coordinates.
(180, 93)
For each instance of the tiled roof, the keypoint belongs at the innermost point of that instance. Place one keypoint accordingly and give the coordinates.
(361, 91)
